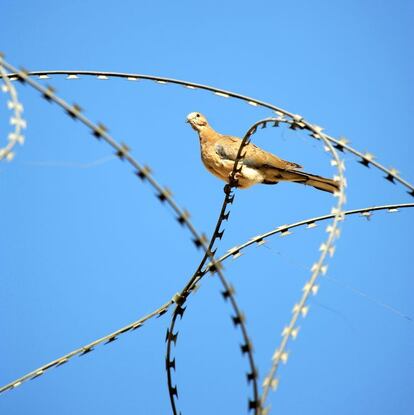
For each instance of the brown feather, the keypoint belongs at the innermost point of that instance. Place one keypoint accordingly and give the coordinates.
(318, 182)
(218, 153)
(255, 156)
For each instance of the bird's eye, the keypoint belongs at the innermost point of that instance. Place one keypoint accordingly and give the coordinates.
(197, 115)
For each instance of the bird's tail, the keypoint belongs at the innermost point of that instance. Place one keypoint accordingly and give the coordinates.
(321, 183)
(318, 182)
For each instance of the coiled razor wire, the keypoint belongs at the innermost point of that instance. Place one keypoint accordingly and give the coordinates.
(297, 121)
(310, 223)
(218, 233)
(320, 267)
(16, 119)
(164, 195)
(228, 293)
(233, 253)
(367, 159)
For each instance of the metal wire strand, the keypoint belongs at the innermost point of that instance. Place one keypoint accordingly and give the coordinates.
(234, 252)
(16, 119)
(300, 309)
(238, 318)
(163, 194)
(109, 338)
(228, 199)
(310, 223)
(365, 158)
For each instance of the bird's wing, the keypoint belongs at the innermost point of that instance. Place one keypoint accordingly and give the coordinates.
(227, 147)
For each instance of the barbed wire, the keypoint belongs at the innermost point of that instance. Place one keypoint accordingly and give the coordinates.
(232, 253)
(238, 319)
(214, 266)
(310, 223)
(367, 158)
(164, 195)
(320, 267)
(340, 144)
(16, 119)
(217, 234)
(109, 338)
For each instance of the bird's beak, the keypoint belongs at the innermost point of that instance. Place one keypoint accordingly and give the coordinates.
(187, 120)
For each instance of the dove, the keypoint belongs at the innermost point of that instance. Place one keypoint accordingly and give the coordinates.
(219, 151)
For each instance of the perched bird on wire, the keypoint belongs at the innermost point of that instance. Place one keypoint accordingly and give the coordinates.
(219, 151)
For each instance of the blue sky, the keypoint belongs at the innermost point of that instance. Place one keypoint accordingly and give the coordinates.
(86, 247)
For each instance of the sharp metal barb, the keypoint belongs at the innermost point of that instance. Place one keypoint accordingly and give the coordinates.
(390, 178)
(48, 93)
(253, 405)
(99, 130)
(245, 348)
(74, 111)
(123, 151)
(173, 391)
(237, 320)
(143, 173)
(170, 364)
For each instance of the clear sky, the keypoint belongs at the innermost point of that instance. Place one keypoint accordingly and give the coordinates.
(86, 248)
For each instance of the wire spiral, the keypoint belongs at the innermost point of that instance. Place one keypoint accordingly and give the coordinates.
(232, 253)
(164, 195)
(208, 263)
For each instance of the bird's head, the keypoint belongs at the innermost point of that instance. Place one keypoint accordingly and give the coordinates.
(197, 120)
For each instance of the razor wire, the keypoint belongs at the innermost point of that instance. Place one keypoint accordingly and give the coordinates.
(109, 338)
(234, 253)
(238, 319)
(366, 158)
(16, 119)
(218, 233)
(164, 195)
(297, 122)
(301, 308)
(310, 223)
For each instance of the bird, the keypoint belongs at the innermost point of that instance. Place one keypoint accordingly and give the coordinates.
(219, 151)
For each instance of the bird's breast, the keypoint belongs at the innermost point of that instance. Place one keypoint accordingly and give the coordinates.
(213, 162)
